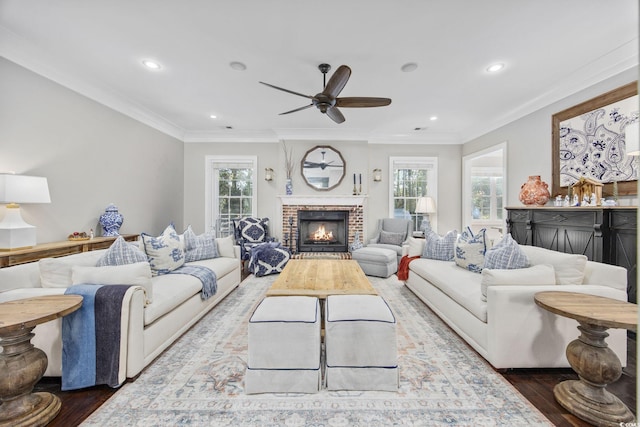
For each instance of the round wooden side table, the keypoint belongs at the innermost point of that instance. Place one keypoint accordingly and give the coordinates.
(22, 365)
(594, 362)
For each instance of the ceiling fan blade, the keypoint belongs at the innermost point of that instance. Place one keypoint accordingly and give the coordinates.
(287, 90)
(337, 81)
(335, 115)
(297, 109)
(361, 102)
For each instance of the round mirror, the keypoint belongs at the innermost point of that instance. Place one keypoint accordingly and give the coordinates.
(322, 167)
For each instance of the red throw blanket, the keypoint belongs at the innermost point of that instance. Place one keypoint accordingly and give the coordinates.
(403, 268)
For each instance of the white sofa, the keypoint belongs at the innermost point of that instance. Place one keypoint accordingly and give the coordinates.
(508, 329)
(176, 306)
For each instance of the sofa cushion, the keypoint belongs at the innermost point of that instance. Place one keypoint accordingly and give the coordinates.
(56, 272)
(165, 251)
(459, 284)
(541, 274)
(121, 252)
(199, 247)
(569, 268)
(470, 249)
(169, 291)
(415, 246)
(506, 255)
(138, 273)
(440, 248)
(389, 238)
(225, 247)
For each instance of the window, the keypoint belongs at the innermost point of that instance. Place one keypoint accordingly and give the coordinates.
(413, 177)
(230, 191)
(484, 190)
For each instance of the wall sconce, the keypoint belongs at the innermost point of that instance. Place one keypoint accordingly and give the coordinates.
(268, 174)
(377, 175)
(14, 231)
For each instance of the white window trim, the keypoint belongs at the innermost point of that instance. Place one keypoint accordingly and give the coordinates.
(211, 181)
(429, 163)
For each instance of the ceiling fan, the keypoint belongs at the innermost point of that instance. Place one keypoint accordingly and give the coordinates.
(323, 164)
(328, 102)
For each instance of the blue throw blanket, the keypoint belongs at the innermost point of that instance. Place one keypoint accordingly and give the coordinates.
(206, 276)
(91, 337)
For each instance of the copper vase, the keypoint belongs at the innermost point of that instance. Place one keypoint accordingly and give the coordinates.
(534, 191)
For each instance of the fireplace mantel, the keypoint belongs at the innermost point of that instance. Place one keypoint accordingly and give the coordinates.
(321, 200)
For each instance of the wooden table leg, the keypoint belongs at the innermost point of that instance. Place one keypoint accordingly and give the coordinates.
(21, 367)
(596, 365)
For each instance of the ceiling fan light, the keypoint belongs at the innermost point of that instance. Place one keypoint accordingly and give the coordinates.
(409, 67)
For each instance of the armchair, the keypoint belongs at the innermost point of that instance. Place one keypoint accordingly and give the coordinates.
(392, 233)
(250, 232)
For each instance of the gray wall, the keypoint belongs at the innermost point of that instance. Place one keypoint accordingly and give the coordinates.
(361, 158)
(529, 139)
(91, 155)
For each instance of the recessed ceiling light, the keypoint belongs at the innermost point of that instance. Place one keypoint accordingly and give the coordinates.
(213, 116)
(495, 67)
(409, 67)
(433, 118)
(152, 65)
(238, 66)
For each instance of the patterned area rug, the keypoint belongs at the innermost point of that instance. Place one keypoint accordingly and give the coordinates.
(199, 380)
(322, 255)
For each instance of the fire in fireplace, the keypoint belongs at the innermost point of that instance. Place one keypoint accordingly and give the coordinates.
(323, 231)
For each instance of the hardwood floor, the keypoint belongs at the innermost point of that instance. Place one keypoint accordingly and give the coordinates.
(536, 385)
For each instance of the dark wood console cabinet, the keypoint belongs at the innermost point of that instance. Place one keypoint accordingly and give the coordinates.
(607, 235)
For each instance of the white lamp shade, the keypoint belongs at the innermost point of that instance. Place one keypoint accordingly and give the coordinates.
(425, 205)
(23, 189)
(632, 139)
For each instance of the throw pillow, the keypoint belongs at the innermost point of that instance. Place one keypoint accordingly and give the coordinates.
(388, 238)
(165, 251)
(506, 255)
(470, 250)
(138, 273)
(225, 247)
(120, 253)
(199, 247)
(253, 230)
(56, 272)
(440, 248)
(569, 268)
(536, 275)
(416, 246)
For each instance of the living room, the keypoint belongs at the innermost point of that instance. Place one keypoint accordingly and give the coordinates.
(97, 145)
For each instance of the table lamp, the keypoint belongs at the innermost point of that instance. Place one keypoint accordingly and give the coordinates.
(425, 206)
(14, 189)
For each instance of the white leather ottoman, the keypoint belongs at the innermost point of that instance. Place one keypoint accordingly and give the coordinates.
(360, 344)
(284, 346)
(377, 262)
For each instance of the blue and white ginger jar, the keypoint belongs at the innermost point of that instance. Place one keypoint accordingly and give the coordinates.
(111, 221)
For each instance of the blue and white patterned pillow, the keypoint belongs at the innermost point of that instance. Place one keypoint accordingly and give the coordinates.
(440, 248)
(253, 230)
(470, 250)
(199, 247)
(121, 253)
(506, 255)
(165, 251)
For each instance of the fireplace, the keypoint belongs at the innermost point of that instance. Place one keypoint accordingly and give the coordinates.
(323, 231)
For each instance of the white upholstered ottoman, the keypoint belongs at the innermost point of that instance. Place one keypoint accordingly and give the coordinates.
(360, 344)
(284, 346)
(377, 262)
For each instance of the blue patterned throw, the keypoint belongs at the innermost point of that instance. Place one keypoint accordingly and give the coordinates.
(204, 274)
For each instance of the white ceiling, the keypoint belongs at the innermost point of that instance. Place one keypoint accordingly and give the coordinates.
(550, 49)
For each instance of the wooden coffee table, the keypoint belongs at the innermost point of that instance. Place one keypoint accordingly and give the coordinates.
(596, 364)
(22, 365)
(320, 278)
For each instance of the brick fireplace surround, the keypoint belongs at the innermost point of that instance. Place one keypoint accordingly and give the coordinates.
(292, 204)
